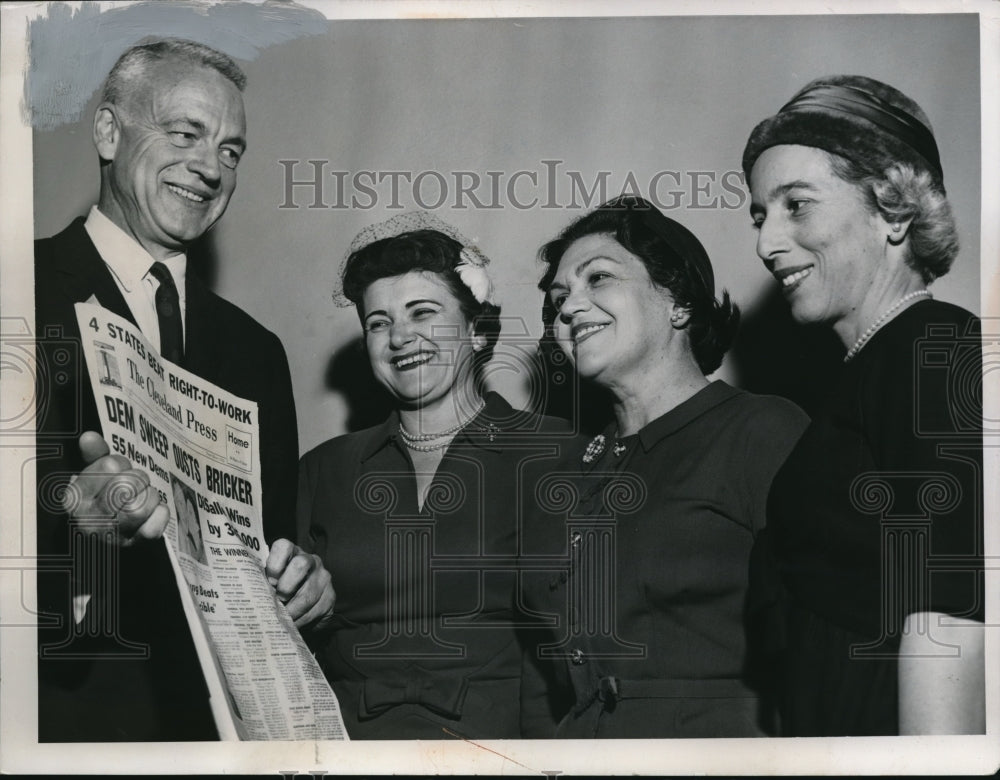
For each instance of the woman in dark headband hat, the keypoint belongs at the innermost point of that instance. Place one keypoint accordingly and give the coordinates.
(874, 521)
(654, 520)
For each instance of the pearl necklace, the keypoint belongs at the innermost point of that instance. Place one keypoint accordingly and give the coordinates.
(873, 328)
(410, 439)
(428, 447)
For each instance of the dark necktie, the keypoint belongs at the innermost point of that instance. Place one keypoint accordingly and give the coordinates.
(168, 313)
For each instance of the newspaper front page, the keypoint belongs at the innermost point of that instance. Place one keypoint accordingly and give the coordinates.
(200, 446)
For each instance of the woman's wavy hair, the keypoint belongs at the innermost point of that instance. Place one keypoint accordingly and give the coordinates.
(427, 251)
(903, 192)
(675, 261)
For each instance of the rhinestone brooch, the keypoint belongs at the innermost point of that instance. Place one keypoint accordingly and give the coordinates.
(594, 449)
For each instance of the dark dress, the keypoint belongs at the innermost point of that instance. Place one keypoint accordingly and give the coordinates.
(648, 549)
(424, 644)
(875, 515)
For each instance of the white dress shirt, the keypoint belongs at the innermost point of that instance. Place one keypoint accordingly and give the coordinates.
(129, 264)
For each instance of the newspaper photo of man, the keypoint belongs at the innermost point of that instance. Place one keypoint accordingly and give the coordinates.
(189, 540)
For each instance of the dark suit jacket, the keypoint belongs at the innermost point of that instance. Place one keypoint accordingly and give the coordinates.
(129, 672)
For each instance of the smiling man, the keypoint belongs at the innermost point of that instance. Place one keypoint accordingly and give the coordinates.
(169, 131)
(170, 138)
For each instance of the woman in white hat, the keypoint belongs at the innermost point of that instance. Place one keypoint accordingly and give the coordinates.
(417, 519)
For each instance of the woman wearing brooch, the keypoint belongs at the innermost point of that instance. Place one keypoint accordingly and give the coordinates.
(874, 522)
(661, 509)
(416, 519)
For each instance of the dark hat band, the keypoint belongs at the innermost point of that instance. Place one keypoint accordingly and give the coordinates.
(855, 102)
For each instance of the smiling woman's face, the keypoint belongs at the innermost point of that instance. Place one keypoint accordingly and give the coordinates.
(612, 320)
(419, 341)
(815, 233)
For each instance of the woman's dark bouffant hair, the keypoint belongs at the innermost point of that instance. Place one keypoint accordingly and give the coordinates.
(674, 259)
(420, 250)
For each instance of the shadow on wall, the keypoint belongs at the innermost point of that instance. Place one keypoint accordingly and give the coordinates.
(774, 355)
(350, 374)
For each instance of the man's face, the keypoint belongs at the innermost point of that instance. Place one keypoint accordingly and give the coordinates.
(179, 136)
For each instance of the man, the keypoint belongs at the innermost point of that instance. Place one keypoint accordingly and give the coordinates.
(189, 539)
(119, 664)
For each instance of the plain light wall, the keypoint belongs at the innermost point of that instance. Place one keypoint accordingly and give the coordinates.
(637, 96)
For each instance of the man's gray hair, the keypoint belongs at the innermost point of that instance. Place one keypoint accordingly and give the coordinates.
(137, 61)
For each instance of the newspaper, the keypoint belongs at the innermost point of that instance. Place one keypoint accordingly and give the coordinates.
(200, 446)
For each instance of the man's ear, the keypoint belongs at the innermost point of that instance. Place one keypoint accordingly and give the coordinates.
(107, 131)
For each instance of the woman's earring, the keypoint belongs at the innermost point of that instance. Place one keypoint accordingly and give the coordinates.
(895, 227)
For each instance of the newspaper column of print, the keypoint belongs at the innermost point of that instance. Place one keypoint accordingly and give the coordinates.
(908, 503)
(199, 445)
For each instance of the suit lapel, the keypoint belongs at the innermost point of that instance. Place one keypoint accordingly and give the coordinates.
(82, 272)
(200, 355)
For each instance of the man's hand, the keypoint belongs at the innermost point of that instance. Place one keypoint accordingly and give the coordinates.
(302, 583)
(110, 495)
